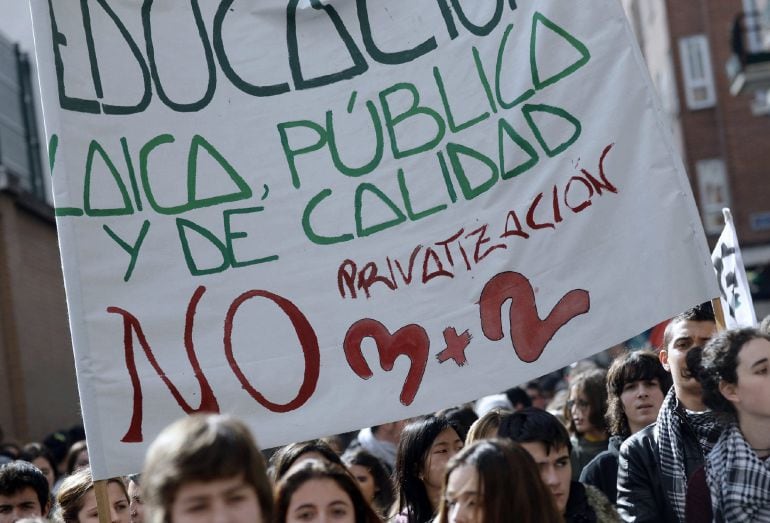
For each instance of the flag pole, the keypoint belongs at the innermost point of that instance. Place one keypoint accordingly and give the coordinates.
(719, 315)
(102, 501)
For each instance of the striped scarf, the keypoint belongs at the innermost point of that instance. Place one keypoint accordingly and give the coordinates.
(669, 433)
(738, 480)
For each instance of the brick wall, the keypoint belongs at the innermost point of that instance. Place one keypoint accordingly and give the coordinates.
(729, 130)
(38, 389)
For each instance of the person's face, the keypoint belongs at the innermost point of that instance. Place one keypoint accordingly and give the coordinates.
(45, 467)
(365, 481)
(751, 395)
(82, 460)
(118, 505)
(463, 496)
(135, 503)
(21, 504)
(320, 501)
(580, 410)
(555, 470)
(231, 499)
(684, 336)
(641, 401)
(446, 445)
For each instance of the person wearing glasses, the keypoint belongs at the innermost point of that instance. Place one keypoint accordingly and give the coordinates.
(584, 413)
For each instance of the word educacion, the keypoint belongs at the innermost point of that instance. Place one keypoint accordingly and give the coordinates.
(143, 48)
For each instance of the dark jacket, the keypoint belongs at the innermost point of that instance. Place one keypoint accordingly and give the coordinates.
(641, 493)
(602, 471)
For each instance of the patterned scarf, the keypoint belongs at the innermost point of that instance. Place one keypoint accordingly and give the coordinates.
(669, 433)
(738, 480)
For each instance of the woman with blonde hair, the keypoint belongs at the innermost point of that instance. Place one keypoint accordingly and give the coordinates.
(486, 426)
(76, 499)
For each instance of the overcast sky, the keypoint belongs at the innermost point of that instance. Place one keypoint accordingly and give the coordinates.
(15, 23)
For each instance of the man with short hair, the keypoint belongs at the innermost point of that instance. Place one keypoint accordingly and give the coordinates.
(546, 439)
(656, 463)
(23, 492)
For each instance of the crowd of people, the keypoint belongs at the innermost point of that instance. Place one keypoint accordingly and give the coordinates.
(677, 435)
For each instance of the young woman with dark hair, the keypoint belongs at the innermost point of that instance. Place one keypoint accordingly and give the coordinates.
(495, 481)
(423, 452)
(295, 453)
(77, 457)
(41, 457)
(636, 386)
(734, 485)
(584, 413)
(372, 479)
(318, 491)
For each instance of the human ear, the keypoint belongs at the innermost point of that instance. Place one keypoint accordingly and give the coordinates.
(663, 357)
(728, 390)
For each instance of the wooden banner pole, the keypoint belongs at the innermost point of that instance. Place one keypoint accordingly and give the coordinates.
(102, 501)
(719, 315)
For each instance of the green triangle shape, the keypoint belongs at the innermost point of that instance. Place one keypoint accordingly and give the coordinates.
(504, 128)
(557, 112)
(244, 191)
(96, 150)
(362, 231)
(540, 21)
(454, 150)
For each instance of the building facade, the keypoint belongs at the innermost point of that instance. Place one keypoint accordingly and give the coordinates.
(724, 140)
(38, 391)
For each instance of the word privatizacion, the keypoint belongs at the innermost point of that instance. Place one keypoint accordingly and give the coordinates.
(437, 260)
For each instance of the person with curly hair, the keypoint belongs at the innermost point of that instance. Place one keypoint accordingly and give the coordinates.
(734, 484)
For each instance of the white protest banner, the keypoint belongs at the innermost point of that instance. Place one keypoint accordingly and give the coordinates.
(319, 216)
(735, 293)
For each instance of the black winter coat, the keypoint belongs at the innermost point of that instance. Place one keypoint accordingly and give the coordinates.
(602, 471)
(641, 494)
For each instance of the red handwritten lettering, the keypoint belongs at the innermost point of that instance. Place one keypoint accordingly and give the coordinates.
(411, 341)
(307, 339)
(529, 334)
(132, 326)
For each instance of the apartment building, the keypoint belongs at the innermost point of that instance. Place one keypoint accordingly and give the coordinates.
(723, 131)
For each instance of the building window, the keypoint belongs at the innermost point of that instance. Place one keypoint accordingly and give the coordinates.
(713, 192)
(19, 147)
(696, 68)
